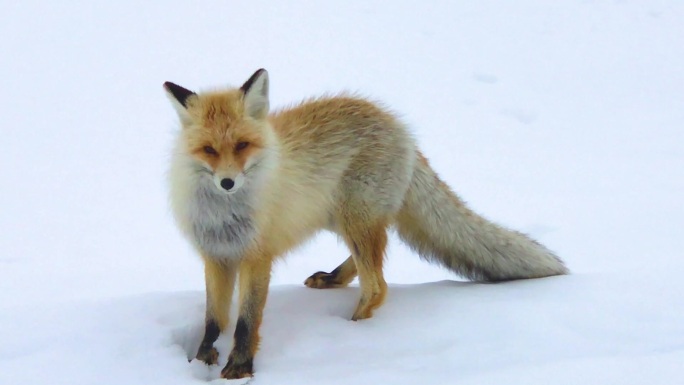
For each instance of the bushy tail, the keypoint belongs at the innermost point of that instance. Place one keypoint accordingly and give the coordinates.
(437, 225)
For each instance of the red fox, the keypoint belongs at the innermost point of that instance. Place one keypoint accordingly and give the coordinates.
(247, 186)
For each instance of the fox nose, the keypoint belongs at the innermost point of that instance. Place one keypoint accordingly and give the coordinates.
(227, 184)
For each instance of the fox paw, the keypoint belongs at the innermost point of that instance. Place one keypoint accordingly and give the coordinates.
(362, 314)
(208, 356)
(321, 280)
(235, 370)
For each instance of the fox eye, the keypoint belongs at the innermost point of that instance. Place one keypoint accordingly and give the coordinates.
(241, 146)
(209, 150)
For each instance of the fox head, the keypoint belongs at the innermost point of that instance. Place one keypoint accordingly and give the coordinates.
(226, 133)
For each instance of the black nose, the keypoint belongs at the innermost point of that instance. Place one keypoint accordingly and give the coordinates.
(227, 183)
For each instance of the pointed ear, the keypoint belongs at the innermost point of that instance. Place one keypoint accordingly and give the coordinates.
(255, 92)
(179, 98)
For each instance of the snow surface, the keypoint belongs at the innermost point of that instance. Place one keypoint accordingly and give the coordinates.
(562, 119)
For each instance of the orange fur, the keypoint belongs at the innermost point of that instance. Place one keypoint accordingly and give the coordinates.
(220, 281)
(339, 163)
(218, 122)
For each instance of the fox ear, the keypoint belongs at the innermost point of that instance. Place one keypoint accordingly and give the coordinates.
(255, 92)
(179, 98)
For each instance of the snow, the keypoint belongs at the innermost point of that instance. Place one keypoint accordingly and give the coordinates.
(561, 119)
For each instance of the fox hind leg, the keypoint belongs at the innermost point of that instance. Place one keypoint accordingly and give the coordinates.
(368, 250)
(340, 277)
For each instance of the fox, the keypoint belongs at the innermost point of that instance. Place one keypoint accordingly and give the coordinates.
(248, 185)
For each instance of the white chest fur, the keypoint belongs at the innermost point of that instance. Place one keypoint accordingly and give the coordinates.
(221, 226)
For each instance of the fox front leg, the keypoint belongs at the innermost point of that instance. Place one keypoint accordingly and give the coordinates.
(254, 280)
(220, 282)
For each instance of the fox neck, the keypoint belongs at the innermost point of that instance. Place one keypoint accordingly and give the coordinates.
(224, 225)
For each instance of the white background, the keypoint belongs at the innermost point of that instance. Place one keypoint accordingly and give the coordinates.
(560, 119)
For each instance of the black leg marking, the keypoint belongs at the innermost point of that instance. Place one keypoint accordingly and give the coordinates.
(207, 352)
(241, 337)
(240, 361)
(336, 272)
(329, 278)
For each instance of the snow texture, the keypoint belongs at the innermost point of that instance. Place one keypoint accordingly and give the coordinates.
(562, 119)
